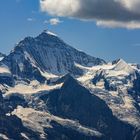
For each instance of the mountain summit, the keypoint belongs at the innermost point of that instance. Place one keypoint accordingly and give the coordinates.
(46, 53)
(122, 65)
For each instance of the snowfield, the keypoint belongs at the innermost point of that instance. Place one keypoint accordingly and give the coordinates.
(33, 88)
(37, 121)
(4, 71)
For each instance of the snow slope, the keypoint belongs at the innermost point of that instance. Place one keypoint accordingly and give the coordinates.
(4, 70)
(34, 119)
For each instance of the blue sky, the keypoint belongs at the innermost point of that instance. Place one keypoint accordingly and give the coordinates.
(21, 18)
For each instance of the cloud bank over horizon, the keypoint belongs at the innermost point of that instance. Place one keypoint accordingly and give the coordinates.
(106, 13)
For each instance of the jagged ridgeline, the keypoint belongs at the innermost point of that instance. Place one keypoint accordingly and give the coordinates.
(52, 91)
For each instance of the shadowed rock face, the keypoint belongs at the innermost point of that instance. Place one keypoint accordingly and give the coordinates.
(21, 67)
(12, 126)
(8, 80)
(135, 90)
(59, 132)
(75, 102)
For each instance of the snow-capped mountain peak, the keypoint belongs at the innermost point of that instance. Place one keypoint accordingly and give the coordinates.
(49, 32)
(47, 53)
(121, 65)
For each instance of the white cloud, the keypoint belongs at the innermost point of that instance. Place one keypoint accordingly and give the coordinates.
(108, 13)
(117, 24)
(59, 7)
(53, 21)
